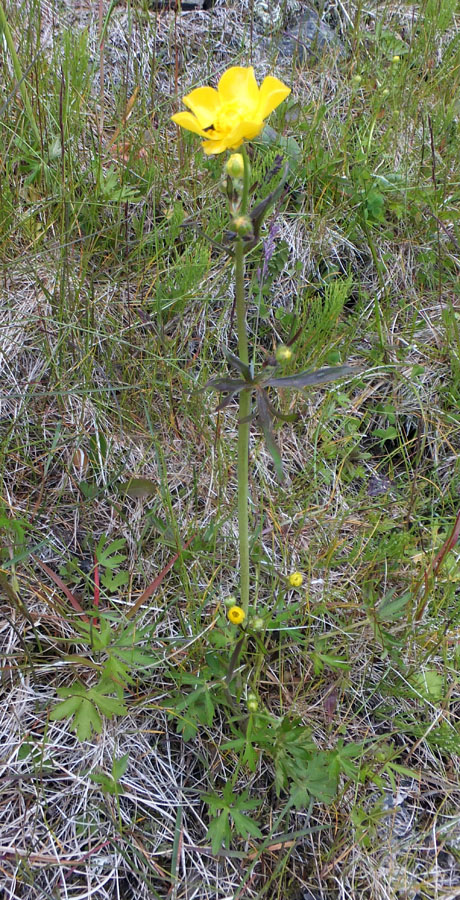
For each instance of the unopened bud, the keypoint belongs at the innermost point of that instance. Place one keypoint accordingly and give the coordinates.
(396, 59)
(242, 226)
(357, 79)
(230, 601)
(235, 165)
(257, 623)
(252, 703)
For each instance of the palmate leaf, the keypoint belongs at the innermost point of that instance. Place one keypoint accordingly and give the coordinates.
(244, 825)
(86, 707)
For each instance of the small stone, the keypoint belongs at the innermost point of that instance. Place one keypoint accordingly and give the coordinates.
(307, 38)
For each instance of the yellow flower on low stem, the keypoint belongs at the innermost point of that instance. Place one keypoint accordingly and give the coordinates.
(295, 579)
(236, 615)
(233, 113)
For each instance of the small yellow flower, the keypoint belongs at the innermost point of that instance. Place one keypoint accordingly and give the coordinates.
(295, 579)
(236, 615)
(283, 353)
(235, 165)
(233, 113)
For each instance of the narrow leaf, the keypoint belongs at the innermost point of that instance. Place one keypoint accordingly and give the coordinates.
(284, 417)
(307, 379)
(260, 211)
(225, 402)
(241, 366)
(247, 419)
(263, 416)
(231, 385)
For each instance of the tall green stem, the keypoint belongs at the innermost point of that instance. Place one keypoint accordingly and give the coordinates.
(244, 407)
(5, 28)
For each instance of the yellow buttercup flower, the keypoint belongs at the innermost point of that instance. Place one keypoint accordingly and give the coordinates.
(233, 113)
(236, 615)
(295, 579)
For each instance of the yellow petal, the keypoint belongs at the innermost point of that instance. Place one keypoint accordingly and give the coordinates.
(239, 83)
(188, 121)
(272, 93)
(243, 131)
(214, 146)
(204, 103)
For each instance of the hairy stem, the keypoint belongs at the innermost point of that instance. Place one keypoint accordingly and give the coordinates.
(244, 407)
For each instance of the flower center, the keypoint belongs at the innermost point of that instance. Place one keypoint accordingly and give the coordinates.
(229, 115)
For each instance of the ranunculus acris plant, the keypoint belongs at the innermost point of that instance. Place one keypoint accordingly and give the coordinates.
(226, 117)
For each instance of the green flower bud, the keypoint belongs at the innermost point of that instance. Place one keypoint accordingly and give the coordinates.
(242, 226)
(230, 601)
(235, 165)
(257, 623)
(252, 703)
(357, 79)
(283, 353)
